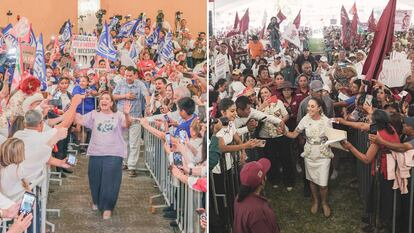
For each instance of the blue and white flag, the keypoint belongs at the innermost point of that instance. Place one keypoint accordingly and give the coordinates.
(105, 47)
(153, 37)
(127, 28)
(113, 22)
(140, 30)
(165, 51)
(32, 38)
(9, 39)
(66, 35)
(133, 52)
(39, 67)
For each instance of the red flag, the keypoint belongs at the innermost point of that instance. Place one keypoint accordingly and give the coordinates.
(346, 28)
(344, 16)
(382, 42)
(296, 22)
(354, 27)
(281, 16)
(353, 10)
(244, 22)
(236, 21)
(372, 27)
(55, 51)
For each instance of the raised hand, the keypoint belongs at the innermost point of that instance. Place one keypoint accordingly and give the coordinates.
(127, 107)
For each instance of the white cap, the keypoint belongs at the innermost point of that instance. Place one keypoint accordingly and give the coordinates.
(30, 100)
(90, 71)
(323, 59)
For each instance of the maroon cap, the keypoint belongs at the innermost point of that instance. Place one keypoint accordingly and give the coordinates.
(253, 173)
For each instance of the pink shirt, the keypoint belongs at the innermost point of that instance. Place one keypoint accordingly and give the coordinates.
(106, 138)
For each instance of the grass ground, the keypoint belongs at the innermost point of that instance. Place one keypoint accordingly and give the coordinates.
(293, 209)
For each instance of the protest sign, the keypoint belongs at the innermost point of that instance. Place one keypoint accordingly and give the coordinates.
(84, 49)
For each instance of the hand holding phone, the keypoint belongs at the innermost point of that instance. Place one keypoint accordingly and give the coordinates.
(26, 207)
(72, 160)
(262, 143)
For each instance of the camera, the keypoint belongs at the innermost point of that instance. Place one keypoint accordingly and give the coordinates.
(26, 207)
(224, 121)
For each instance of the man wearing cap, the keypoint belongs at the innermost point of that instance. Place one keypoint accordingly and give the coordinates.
(236, 86)
(252, 212)
(325, 71)
(360, 60)
(306, 56)
(316, 88)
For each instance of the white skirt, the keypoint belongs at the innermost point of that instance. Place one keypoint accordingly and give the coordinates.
(317, 170)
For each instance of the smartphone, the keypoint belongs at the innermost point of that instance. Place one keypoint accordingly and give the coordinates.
(26, 207)
(183, 135)
(168, 139)
(178, 159)
(72, 160)
(187, 75)
(262, 143)
(368, 100)
(54, 102)
(167, 118)
(373, 129)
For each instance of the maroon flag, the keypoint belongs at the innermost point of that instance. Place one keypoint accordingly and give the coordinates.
(244, 22)
(280, 16)
(372, 27)
(236, 21)
(296, 22)
(354, 27)
(346, 28)
(353, 10)
(382, 42)
(344, 16)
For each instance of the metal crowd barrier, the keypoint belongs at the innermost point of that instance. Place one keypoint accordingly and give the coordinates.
(174, 193)
(367, 182)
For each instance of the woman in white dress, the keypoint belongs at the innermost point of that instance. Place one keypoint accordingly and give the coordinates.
(316, 154)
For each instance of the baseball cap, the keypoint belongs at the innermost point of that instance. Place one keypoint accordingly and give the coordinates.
(253, 173)
(148, 73)
(316, 85)
(236, 72)
(323, 59)
(409, 121)
(90, 71)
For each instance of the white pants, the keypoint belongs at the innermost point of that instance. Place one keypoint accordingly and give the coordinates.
(132, 137)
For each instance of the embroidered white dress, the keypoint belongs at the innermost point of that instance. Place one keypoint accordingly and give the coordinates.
(317, 156)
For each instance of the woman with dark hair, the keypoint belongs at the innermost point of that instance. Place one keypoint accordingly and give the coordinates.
(106, 151)
(273, 28)
(250, 82)
(383, 96)
(252, 212)
(316, 154)
(221, 88)
(384, 128)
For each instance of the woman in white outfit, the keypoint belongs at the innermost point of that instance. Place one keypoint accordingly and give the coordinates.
(317, 155)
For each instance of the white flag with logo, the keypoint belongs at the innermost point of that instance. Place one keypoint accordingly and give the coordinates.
(291, 34)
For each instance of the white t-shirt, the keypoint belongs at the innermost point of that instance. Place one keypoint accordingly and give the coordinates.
(227, 134)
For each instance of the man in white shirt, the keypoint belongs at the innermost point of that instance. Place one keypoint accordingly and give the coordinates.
(359, 65)
(222, 64)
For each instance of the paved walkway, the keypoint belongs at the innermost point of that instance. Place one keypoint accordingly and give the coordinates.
(131, 213)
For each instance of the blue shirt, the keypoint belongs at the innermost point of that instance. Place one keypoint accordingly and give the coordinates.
(184, 125)
(88, 104)
(138, 89)
(351, 100)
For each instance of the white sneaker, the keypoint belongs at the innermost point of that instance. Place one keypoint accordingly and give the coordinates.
(275, 186)
(334, 174)
(289, 189)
